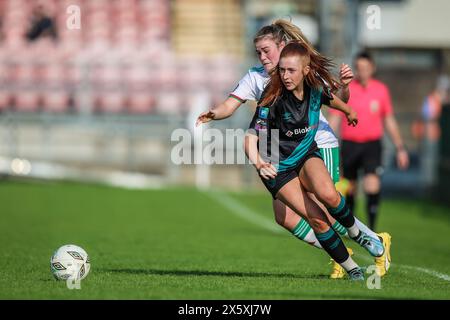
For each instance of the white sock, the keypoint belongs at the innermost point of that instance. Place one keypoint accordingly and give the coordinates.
(312, 239)
(304, 232)
(349, 264)
(365, 229)
(353, 231)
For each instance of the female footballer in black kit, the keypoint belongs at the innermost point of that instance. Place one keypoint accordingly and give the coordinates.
(291, 105)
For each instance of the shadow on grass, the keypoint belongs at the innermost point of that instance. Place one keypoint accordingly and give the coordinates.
(215, 273)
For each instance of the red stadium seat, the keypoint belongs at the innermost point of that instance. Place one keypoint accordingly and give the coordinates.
(26, 100)
(141, 102)
(52, 74)
(166, 72)
(168, 102)
(111, 101)
(194, 73)
(4, 99)
(114, 34)
(108, 88)
(126, 37)
(222, 74)
(55, 100)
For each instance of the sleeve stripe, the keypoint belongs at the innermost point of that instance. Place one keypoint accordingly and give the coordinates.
(237, 98)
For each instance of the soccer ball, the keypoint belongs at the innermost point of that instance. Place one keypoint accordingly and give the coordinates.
(70, 262)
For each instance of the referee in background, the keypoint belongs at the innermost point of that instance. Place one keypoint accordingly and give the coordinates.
(361, 145)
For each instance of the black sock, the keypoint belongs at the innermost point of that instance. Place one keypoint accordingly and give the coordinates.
(342, 213)
(350, 200)
(373, 200)
(333, 245)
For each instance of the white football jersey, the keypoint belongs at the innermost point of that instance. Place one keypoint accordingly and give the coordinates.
(251, 87)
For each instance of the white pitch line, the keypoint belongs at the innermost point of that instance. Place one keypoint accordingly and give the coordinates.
(237, 208)
(242, 211)
(439, 275)
(430, 272)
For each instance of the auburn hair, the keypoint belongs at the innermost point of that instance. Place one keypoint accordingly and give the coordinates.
(319, 75)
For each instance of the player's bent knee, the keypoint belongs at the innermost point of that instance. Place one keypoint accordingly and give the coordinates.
(280, 218)
(330, 198)
(280, 211)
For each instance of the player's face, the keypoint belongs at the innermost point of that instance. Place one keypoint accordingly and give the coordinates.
(364, 69)
(268, 53)
(292, 72)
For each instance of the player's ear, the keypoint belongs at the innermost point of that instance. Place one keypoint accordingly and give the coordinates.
(306, 70)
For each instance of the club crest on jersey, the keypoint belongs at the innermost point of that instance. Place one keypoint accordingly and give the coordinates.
(264, 113)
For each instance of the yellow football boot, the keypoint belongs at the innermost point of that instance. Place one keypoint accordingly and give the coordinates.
(383, 263)
(338, 272)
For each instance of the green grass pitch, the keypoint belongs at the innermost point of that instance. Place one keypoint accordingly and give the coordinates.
(182, 244)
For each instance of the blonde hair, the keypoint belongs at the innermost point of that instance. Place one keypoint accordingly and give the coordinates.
(285, 31)
(281, 31)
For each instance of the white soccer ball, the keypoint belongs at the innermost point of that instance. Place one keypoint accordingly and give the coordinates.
(70, 262)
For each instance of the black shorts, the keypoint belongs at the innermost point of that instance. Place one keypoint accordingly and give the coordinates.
(274, 185)
(365, 155)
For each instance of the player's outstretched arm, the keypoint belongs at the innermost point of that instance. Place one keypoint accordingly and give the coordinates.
(222, 111)
(265, 170)
(338, 104)
(345, 76)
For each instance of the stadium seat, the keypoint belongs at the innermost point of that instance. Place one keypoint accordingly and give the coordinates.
(4, 99)
(111, 101)
(168, 102)
(18, 79)
(127, 36)
(166, 72)
(52, 85)
(140, 102)
(222, 73)
(108, 88)
(194, 73)
(55, 100)
(139, 80)
(50, 72)
(26, 100)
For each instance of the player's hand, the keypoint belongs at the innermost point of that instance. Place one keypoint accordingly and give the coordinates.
(205, 117)
(267, 171)
(345, 74)
(402, 159)
(352, 118)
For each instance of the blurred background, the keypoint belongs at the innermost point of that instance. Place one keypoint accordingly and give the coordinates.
(92, 90)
